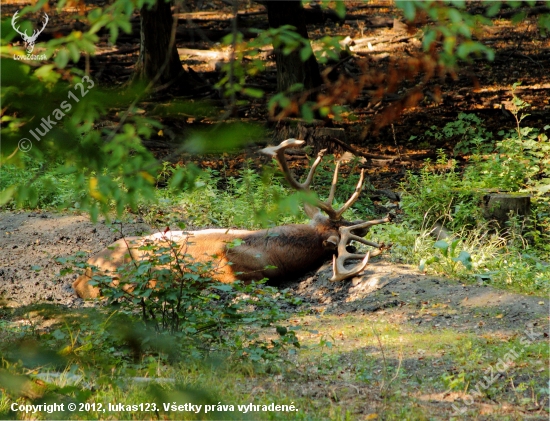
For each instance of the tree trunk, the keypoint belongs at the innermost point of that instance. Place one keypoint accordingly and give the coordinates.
(498, 206)
(290, 68)
(156, 55)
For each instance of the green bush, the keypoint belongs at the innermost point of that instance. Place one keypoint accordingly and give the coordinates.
(203, 314)
(441, 193)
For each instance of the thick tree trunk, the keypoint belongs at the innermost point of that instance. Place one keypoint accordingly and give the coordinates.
(290, 68)
(156, 55)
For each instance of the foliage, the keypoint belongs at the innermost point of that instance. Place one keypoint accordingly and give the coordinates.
(520, 162)
(441, 194)
(455, 28)
(448, 257)
(50, 186)
(246, 63)
(237, 70)
(51, 115)
(174, 293)
(472, 135)
(438, 193)
(250, 199)
(109, 164)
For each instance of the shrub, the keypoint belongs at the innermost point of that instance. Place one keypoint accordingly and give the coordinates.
(173, 293)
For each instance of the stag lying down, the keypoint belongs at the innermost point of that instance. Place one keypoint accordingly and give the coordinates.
(275, 253)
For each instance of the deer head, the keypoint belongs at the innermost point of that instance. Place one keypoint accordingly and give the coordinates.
(347, 231)
(29, 40)
(275, 253)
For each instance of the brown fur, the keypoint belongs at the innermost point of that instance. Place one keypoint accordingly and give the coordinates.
(291, 248)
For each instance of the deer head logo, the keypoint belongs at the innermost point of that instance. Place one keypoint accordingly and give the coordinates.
(29, 40)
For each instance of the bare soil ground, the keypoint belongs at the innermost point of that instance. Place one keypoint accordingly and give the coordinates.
(31, 242)
(385, 294)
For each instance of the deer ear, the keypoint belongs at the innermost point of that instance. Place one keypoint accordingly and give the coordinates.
(311, 211)
(331, 243)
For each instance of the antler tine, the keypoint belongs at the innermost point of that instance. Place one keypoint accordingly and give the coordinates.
(346, 236)
(353, 198)
(46, 20)
(13, 23)
(37, 32)
(278, 152)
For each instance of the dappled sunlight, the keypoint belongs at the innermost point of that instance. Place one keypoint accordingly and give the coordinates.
(134, 118)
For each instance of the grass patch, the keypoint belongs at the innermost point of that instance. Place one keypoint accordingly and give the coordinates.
(348, 367)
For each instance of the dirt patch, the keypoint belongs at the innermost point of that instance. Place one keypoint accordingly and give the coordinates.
(402, 290)
(31, 242)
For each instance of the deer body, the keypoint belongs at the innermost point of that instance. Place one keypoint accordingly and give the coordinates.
(291, 249)
(275, 253)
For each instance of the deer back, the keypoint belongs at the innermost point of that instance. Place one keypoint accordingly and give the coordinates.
(289, 249)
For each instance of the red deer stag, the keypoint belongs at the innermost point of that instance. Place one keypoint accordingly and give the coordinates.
(275, 253)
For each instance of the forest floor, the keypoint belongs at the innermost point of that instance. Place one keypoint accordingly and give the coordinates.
(418, 327)
(428, 320)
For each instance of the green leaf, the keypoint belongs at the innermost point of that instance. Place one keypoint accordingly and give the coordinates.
(443, 246)
(281, 330)
(465, 258)
(307, 112)
(254, 93)
(518, 17)
(340, 9)
(429, 38)
(62, 59)
(74, 52)
(494, 8)
(305, 53)
(6, 195)
(58, 334)
(454, 15)
(422, 265)
(296, 87)
(223, 287)
(408, 7)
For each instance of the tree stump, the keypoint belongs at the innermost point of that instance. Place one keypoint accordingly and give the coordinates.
(315, 134)
(497, 206)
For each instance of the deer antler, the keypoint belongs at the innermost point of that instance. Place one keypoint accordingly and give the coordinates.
(346, 236)
(278, 152)
(45, 22)
(29, 40)
(13, 23)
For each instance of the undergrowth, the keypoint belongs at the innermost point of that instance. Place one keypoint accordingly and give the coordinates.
(514, 254)
(186, 333)
(251, 200)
